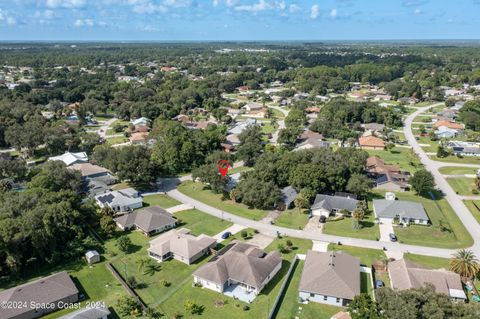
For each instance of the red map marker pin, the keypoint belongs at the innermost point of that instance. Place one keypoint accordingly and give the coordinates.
(223, 167)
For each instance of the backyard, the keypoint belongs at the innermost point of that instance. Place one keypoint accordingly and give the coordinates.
(198, 192)
(400, 156)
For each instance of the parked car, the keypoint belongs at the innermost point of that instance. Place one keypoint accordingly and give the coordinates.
(393, 237)
(323, 219)
(226, 234)
(379, 284)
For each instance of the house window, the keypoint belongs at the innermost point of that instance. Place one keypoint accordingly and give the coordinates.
(312, 295)
(325, 298)
(338, 300)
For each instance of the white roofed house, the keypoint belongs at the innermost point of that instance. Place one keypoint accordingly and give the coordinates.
(71, 158)
(330, 278)
(143, 121)
(120, 201)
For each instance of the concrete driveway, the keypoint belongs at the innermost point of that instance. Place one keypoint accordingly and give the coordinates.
(386, 228)
(235, 228)
(261, 240)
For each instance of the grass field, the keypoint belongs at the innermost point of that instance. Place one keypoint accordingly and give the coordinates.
(456, 170)
(202, 223)
(427, 261)
(239, 169)
(161, 200)
(458, 160)
(278, 114)
(474, 207)
(292, 218)
(116, 140)
(402, 157)
(462, 185)
(268, 128)
(367, 256)
(344, 227)
(197, 191)
(439, 212)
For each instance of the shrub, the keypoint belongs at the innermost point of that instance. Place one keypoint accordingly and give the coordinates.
(246, 308)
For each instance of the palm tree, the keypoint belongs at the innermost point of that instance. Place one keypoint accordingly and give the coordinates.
(151, 269)
(142, 263)
(465, 263)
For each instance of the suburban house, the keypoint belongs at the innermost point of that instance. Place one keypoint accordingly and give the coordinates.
(143, 121)
(139, 138)
(180, 245)
(388, 177)
(326, 205)
(90, 312)
(288, 197)
(371, 143)
(233, 180)
(124, 200)
(239, 270)
(71, 158)
(238, 128)
(310, 139)
(56, 289)
(464, 148)
(406, 275)
(450, 124)
(404, 212)
(330, 278)
(91, 171)
(374, 128)
(445, 132)
(96, 187)
(149, 221)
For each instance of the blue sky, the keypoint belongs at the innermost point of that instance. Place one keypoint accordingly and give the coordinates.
(166, 20)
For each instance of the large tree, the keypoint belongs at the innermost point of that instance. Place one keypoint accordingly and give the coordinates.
(422, 182)
(465, 263)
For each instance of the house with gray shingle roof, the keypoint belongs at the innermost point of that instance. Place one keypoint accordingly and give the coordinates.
(56, 289)
(402, 211)
(288, 197)
(239, 270)
(330, 278)
(325, 205)
(180, 245)
(150, 220)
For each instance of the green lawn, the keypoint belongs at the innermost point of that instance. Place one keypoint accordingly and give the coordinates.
(427, 261)
(116, 140)
(202, 223)
(239, 169)
(405, 158)
(367, 255)
(344, 227)
(278, 114)
(217, 305)
(462, 185)
(292, 218)
(456, 170)
(439, 211)
(458, 160)
(198, 192)
(290, 308)
(268, 128)
(299, 246)
(161, 200)
(120, 186)
(474, 207)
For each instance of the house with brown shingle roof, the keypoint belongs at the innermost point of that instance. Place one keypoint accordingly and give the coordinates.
(150, 220)
(388, 177)
(239, 270)
(55, 290)
(371, 143)
(330, 278)
(407, 275)
(450, 124)
(180, 245)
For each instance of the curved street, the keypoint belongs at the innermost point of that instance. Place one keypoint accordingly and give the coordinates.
(169, 186)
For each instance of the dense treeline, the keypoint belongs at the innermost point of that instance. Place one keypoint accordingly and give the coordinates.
(46, 223)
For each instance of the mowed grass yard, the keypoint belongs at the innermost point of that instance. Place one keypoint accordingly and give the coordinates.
(201, 223)
(217, 305)
(440, 212)
(199, 192)
(161, 200)
(292, 218)
(457, 170)
(369, 230)
(427, 261)
(458, 160)
(474, 207)
(404, 158)
(462, 185)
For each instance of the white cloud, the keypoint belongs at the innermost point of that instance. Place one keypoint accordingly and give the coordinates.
(333, 13)
(314, 11)
(215, 3)
(417, 11)
(45, 14)
(69, 4)
(84, 23)
(6, 17)
(255, 7)
(176, 3)
(294, 8)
